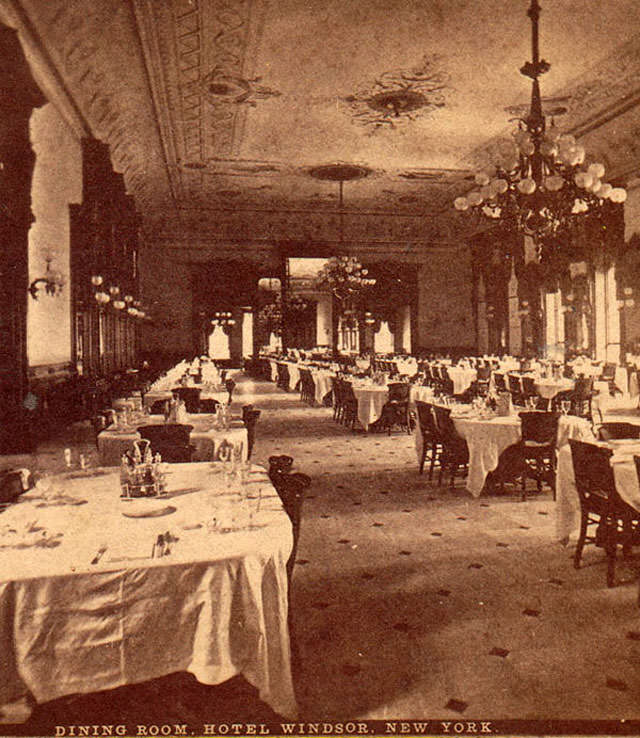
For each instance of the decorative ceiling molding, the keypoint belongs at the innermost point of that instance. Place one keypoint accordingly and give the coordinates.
(105, 87)
(602, 95)
(400, 96)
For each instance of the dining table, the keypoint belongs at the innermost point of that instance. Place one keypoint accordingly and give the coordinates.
(567, 499)
(462, 378)
(97, 592)
(207, 437)
(488, 435)
(371, 399)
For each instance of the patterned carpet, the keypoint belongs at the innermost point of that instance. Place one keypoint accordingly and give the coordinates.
(410, 600)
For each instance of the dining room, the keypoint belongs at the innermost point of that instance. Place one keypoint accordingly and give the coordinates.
(320, 367)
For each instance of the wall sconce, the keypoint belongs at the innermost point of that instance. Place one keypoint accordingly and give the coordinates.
(128, 299)
(102, 298)
(223, 319)
(114, 290)
(52, 282)
(368, 318)
(627, 300)
(96, 280)
(119, 304)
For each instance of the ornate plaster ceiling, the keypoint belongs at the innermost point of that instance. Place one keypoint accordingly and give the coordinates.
(220, 111)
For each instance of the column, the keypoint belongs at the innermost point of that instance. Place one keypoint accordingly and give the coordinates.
(482, 326)
(606, 316)
(324, 321)
(554, 326)
(405, 331)
(247, 332)
(515, 321)
(613, 317)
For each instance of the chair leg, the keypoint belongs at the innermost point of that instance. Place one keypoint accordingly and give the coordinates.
(434, 453)
(423, 456)
(581, 539)
(523, 495)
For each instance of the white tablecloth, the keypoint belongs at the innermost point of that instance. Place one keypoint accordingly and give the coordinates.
(274, 370)
(215, 607)
(462, 378)
(549, 388)
(322, 381)
(486, 439)
(294, 374)
(205, 439)
(408, 366)
(567, 500)
(371, 400)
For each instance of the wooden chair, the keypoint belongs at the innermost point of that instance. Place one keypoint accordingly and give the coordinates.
(396, 411)
(611, 431)
(229, 385)
(455, 452)
(538, 449)
(170, 440)
(209, 405)
(600, 505)
(250, 417)
(349, 404)
(430, 443)
(190, 396)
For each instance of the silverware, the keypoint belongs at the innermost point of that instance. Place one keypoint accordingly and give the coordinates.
(99, 554)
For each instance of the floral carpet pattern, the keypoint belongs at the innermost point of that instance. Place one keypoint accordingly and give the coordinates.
(410, 600)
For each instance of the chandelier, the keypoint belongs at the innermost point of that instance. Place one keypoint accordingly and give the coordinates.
(541, 183)
(52, 282)
(344, 276)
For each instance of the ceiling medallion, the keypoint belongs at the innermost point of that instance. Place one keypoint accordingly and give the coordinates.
(220, 86)
(400, 96)
(339, 172)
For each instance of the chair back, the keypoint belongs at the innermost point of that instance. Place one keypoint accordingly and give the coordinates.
(539, 428)
(159, 407)
(484, 373)
(425, 418)
(190, 396)
(612, 431)
(170, 440)
(529, 387)
(608, 372)
(501, 385)
(399, 392)
(514, 384)
(279, 465)
(229, 385)
(592, 471)
(583, 388)
(209, 405)
(250, 417)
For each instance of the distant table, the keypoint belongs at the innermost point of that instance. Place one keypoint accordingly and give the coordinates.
(206, 439)
(216, 606)
(159, 395)
(486, 439)
(549, 388)
(462, 378)
(322, 382)
(371, 400)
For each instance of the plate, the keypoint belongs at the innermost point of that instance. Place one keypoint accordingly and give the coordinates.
(157, 512)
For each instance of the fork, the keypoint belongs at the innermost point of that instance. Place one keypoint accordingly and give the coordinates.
(99, 554)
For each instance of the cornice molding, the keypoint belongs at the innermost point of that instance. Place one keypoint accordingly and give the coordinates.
(44, 69)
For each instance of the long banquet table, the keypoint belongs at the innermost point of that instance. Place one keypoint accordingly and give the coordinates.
(205, 438)
(73, 620)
